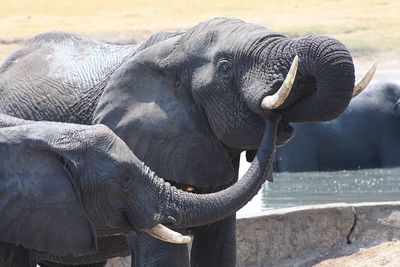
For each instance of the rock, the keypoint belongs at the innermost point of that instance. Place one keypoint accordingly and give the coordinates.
(376, 223)
(289, 233)
(305, 236)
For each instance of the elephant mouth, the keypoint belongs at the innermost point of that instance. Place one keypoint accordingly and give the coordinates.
(197, 189)
(189, 231)
(285, 133)
(307, 95)
(278, 99)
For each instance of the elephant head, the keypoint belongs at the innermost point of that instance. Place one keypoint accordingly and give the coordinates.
(201, 93)
(64, 185)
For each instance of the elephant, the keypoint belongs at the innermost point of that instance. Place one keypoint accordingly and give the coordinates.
(366, 135)
(63, 185)
(187, 103)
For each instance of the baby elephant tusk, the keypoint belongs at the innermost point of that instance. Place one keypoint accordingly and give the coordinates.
(276, 100)
(363, 83)
(165, 234)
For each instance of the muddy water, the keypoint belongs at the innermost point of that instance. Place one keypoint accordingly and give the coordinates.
(297, 189)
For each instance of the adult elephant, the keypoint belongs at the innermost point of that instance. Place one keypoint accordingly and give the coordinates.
(366, 135)
(186, 103)
(63, 186)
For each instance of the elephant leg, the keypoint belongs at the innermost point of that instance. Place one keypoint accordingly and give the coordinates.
(108, 247)
(23, 258)
(148, 251)
(215, 244)
(16, 256)
(6, 254)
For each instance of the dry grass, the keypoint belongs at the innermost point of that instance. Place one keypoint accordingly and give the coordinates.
(365, 26)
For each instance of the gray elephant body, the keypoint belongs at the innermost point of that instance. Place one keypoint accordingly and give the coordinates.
(63, 77)
(366, 135)
(69, 190)
(186, 103)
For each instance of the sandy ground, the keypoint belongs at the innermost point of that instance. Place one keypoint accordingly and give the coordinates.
(386, 254)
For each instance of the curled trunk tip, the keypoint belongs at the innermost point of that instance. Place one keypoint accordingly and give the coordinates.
(329, 64)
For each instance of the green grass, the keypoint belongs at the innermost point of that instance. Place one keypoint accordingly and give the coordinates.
(365, 26)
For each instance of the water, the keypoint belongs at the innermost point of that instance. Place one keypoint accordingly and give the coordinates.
(298, 189)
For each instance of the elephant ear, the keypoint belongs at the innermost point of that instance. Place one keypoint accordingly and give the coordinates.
(147, 106)
(39, 206)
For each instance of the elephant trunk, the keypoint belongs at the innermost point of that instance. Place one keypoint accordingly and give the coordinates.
(323, 83)
(325, 80)
(190, 209)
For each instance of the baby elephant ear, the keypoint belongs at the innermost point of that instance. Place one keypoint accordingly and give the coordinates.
(39, 206)
(146, 105)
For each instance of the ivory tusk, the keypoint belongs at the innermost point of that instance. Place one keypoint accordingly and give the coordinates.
(363, 83)
(276, 100)
(165, 234)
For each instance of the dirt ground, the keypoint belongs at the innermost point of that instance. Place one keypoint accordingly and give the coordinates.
(386, 254)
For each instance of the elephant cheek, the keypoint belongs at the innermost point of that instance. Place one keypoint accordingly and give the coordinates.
(248, 137)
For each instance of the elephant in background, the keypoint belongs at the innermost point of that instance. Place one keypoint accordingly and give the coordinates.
(186, 103)
(366, 135)
(64, 185)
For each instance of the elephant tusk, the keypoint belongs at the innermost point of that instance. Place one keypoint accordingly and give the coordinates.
(277, 99)
(165, 234)
(363, 83)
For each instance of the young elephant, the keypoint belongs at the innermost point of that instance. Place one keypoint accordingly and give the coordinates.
(62, 186)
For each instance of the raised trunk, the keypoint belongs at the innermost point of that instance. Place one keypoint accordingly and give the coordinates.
(324, 81)
(326, 69)
(195, 209)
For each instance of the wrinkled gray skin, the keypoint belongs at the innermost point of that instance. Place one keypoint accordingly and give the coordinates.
(63, 186)
(186, 103)
(366, 135)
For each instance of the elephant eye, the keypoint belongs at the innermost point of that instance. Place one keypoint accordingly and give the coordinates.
(127, 179)
(126, 182)
(224, 68)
